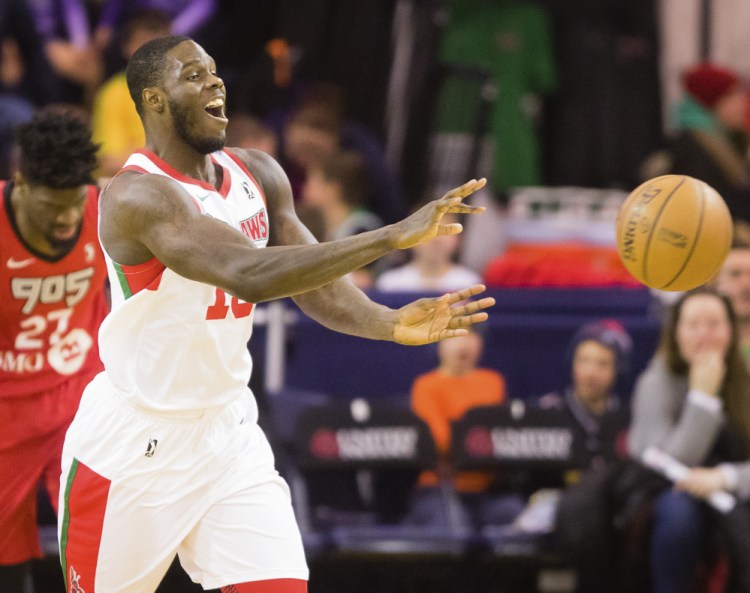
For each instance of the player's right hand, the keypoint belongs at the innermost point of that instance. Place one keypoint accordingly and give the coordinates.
(426, 223)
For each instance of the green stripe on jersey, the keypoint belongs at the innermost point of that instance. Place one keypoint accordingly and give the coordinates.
(123, 281)
(66, 518)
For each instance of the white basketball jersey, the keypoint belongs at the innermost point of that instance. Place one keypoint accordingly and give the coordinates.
(173, 344)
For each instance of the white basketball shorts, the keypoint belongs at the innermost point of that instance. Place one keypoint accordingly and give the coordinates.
(139, 487)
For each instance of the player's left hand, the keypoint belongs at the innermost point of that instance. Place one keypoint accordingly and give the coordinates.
(701, 482)
(431, 319)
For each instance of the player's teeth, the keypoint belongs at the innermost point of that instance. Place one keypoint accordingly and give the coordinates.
(218, 102)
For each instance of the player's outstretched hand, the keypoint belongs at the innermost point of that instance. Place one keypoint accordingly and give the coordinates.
(426, 224)
(431, 319)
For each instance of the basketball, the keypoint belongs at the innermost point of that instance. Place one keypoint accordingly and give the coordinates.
(673, 232)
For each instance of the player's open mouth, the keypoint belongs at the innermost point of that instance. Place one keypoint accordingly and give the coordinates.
(64, 233)
(215, 108)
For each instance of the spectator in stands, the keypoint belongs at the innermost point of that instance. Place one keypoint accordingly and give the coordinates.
(23, 78)
(432, 267)
(48, 336)
(711, 142)
(599, 353)
(335, 188)
(247, 131)
(24, 69)
(336, 185)
(440, 397)
(186, 17)
(115, 123)
(76, 61)
(733, 280)
(317, 126)
(693, 402)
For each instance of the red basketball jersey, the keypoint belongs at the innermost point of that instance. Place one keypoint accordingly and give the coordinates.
(50, 309)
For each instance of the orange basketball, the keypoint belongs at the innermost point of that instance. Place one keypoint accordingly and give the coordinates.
(673, 232)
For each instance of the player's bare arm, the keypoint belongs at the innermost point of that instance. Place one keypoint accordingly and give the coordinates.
(343, 307)
(340, 305)
(151, 216)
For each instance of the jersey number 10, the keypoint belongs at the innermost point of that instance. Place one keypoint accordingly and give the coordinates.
(220, 309)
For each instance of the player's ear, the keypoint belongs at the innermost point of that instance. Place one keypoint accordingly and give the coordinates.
(154, 99)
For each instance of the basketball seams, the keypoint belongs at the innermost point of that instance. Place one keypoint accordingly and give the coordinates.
(696, 236)
(669, 245)
(644, 271)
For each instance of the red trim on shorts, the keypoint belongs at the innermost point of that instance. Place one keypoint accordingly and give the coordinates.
(242, 166)
(268, 586)
(86, 496)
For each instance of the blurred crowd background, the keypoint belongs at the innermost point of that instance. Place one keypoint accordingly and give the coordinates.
(421, 94)
(373, 107)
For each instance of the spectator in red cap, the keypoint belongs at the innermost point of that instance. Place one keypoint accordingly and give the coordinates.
(711, 141)
(709, 84)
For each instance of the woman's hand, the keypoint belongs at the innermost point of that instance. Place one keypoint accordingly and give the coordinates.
(701, 482)
(707, 371)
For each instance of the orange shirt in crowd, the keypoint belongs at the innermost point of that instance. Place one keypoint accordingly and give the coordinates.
(439, 399)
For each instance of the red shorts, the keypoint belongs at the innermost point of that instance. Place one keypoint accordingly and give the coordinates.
(31, 440)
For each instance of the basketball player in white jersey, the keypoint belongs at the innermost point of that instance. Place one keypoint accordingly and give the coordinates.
(165, 455)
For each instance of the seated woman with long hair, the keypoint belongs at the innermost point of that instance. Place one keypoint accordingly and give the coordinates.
(693, 403)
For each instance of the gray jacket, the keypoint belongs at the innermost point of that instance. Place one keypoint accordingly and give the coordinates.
(664, 416)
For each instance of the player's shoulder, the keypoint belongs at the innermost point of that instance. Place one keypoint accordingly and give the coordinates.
(250, 156)
(262, 166)
(134, 184)
(131, 195)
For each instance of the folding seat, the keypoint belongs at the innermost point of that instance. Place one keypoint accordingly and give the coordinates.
(381, 446)
(540, 444)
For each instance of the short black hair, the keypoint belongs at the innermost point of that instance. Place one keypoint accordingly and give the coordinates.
(146, 67)
(56, 149)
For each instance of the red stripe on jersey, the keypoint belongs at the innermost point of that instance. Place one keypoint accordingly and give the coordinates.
(172, 172)
(242, 166)
(145, 276)
(136, 168)
(268, 586)
(86, 494)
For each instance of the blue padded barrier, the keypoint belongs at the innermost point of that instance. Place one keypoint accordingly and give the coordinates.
(526, 339)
